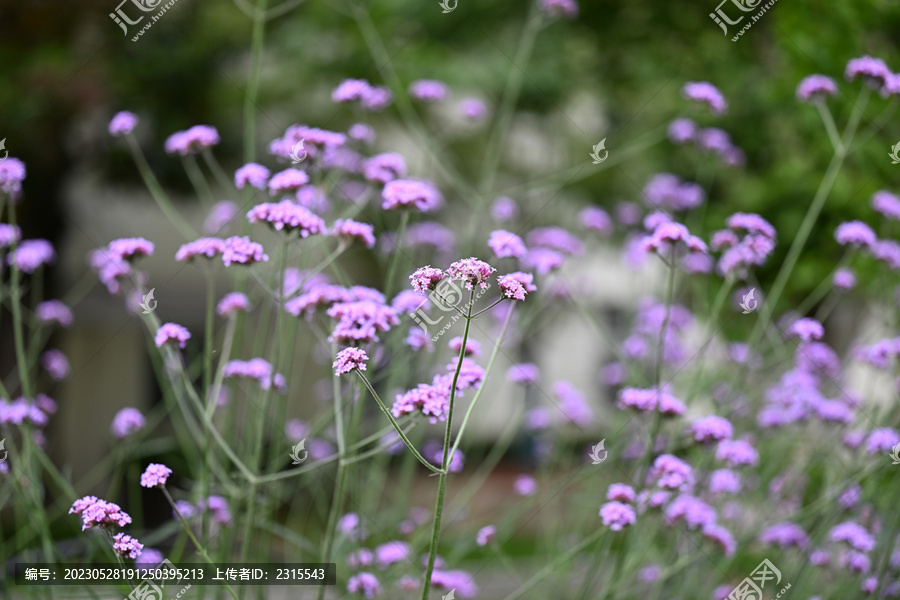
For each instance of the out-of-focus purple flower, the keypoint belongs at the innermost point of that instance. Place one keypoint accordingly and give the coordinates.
(785, 534)
(819, 557)
(649, 573)
(692, 510)
(289, 216)
(887, 251)
(432, 400)
(538, 418)
(348, 230)
(127, 421)
(295, 429)
(807, 329)
(573, 404)
(617, 515)
(428, 90)
(258, 369)
(887, 204)
(220, 215)
(751, 223)
(149, 558)
(816, 87)
(56, 364)
(856, 562)
(721, 536)
(869, 585)
(711, 429)
(54, 310)
(365, 584)
(473, 108)
(461, 581)
(596, 219)
(218, 505)
(485, 535)
(384, 168)
(882, 440)
(559, 8)
(473, 348)
(713, 139)
(525, 485)
(184, 507)
(620, 492)
(555, 238)
(410, 193)
(155, 474)
(408, 301)
(891, 85)
(20, 411)
(208, 247)
(706, 93)
(192, 140)
(434, 452)
(516, 285)
(392, 552)
(350, 90)
(667, 191)
(854, 535)
(350, 359)
(360, 558)
(94, 511)
(31, 254)
(872, 70)
(671, 473)
(351, 526)
(239, 249)
(253, 174)
(361, 133)
(125, 545)
(850, 497)
(844, 279)
(123, 123)
(855, 233)
(668, 234)
(638, 399)
(233, 303)
(724, 481)
(128, 249)
(172, 332)
(361, 321)
(506, 244)
(376, 98)
(287, 181)
(504, 209)
(12, 174)
(682, 130)
(527, 373)
(9, 235)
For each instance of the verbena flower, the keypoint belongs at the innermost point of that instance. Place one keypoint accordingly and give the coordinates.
(208, 247)
(31, 254)
(816, 87)
(872, 70)
(711, 428)
(218, 506)
(350, 359)
(525, 485)
(127, 421)
(239, 249)
(555, 238)
(172, 332)
(192, 140)
(692, 510)
(410, 193)
(473, 348)
(844, 279)
(361, 558)
(220, 215)
(362, 133)
(559, 8)
(616, 515)
(123, 123)
(671, 473)
(56, 364)
(361, 321)
(854, 535)
(887, 204)
(392, 552)
(350, 90)
(596, 219)
(855, 233)
(724, 481)
(348, 230)
(485, 535)
(668, 192)
(573, 404)
(258, 369)
(471, 271)
(289, 216)
(667, 235)
(365, 584)
(856, 562)
(253, 174)
(96, 512)
(126, 545)
(384, 168)
(721, 536)
(527, 373)
(9, 234)
(473, 108)
(149, 558)
(233, 303)
(682, 130)
(882, 440)
(428, 90)
(156, 474)
(543, 260)
(807, 329)
(289, 180)
(54, 311)
(785, 534)
(351, 526)
(620, 492)
(706, 93)
(504, 208)
(516, 285)
(506, 244)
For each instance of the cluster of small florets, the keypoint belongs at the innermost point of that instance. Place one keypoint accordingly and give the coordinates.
(258, 369)
(748, 241)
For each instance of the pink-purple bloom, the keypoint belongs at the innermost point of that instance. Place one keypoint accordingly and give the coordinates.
(785, 534)
(706, 93)
(617, 515)
(220, 215)
(12, 174)
(559, 8)
(428, 90)
(807, 329)
(384, 168)
(96, 512)
(56, 364)
(172, 332)
(711, 429)
(31, 254)
(485, 535)
(887, 204)
(54, 310)
(233, 303)
(350, 359)
(871, 69)
(239, 249)
(210, 247)
(123, 123)
(155, 474)
(288, 215)
(527, 373)
(253, 174)
(192, 140)
(365, 584)
(506, 244)
(856, 234)
(471, 271)
(473, 108)
(126, 545)
(816, 87)
(854, 535)
(682, 130)
(348, 230)
(671, 473)
(516, 285)
(410, 193)
(289, 180)
(127, 421)
(525, 485)
(258, 369)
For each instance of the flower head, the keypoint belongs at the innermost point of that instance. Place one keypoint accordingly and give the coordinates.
(348, 229)
(617, 515)
(785, 534)
(54, 310)
(350, 359)
(155, 474)
(258, 369)
(807, 329)
(289, 180)
(172, 332)
(505, 244)
(239, 249)
(682, 130)
(220, 215)
(192, 141)
(559, 8)
(233, 303)
(253, 174)
(855, 233)
(516, 285)
(12, 174)
(471, 271)
(410, 193)
(123, 123)
(872, 70)
(485, 535)
(288, 215)
(127, 421)
(365, 584)
(56, 364)
(527, 373)
(711, 428)
(96, 512)
(428, 90)
(504, 208)
(706, 93)
(671, 473)
(126, 545)
(31, 254)
(620, 492)
(525, 485)
(208, 247)
(384, 168)
(816, 87)
(473, 108)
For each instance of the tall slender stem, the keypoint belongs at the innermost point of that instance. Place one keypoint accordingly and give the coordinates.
(256, 50)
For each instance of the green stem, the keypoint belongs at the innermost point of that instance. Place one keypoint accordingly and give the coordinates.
(250, 97)
(395, 255)
(198, 181)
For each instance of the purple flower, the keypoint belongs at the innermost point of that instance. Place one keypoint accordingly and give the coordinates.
(258, 369)
(887, 204)
(208, 247)
(620, 492)
(473, 348)
(716, 140)
(460, 581)
(403, 193)
(289, 216)
(854, 535)
(721, 536)
(807, 329)
(391, 552)
(252, 174)
(155, 474)
(12, 174)
(384, 168)
(525, 485)
(485, 535)
(667, 234)
(543, 260)
(682, 130)
(851, 497)
(785, 534)
(527, 373)
(192, 141)
(126, 545)
(31, 254)
(855, 233)
(882, 440)
(350, 90)
(128, 249)
(56, 364)
(573, 404)
(616, 515)
(692, 510)
(816, 87)
(127, 421)
(555, 238)
(239, 249)
(504, 208)
(9, 235)
(149, 558)
(872, 70)
(506, 244)
(856, 562)
(667, 191)
(365, 584)
(289, 180)
(706, 93)
(361, 558)
(54, 310)
(172, 332)
(221, 513)
(516, 285)
(351, 526)
(638, 399)
(844, 279)
(233, 303)
(123, 123)
(724, 481)
(473, 108)
(428, 90)
(752, 223)
(348, 230)
(711, 429)
(471, 271)
(559, 8)
(221, 214)
(361, 321)
(887, 251)
(94, 511)
(376, 99)
(671, 473)
(361, 133)
(597, 219)
(349, 359)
